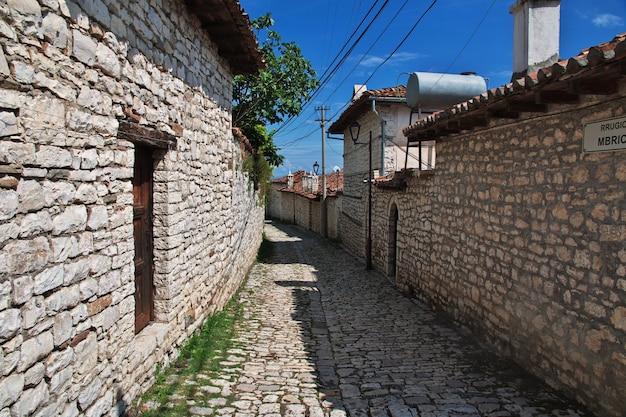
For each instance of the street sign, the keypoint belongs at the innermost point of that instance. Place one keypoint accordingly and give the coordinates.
(605, 135)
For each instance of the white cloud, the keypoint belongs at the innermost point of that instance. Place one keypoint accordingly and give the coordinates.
(607, 20)
(397, 58)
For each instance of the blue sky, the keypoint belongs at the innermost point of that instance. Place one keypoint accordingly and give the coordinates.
(453, 37)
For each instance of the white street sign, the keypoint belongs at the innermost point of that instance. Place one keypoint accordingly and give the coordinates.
(605, 135)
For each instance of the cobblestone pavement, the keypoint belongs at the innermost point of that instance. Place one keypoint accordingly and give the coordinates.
(324, 337)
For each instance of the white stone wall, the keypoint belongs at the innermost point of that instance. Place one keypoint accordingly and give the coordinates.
(70, 72)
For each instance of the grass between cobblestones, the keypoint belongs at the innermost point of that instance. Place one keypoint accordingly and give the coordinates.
(201, 357)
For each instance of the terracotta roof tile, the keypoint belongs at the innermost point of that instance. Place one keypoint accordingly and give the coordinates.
(360, 105)
(334, 185)
(229, 27)
(578, 66)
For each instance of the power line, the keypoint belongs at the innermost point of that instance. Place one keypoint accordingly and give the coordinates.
(465, 45)
(400, 44)
(374, 43)
(326, 76)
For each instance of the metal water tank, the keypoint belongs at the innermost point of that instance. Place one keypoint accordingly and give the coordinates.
(430, 90)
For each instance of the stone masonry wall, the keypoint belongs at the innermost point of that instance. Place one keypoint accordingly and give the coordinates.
(296, 209)
(68, 74)
(522, 237)
(352, 219)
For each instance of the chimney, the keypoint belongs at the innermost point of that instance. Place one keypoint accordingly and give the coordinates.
(290, 180)
(358, 90)
(536, 25)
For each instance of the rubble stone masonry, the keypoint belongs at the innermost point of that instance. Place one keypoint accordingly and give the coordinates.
(70, 72)
(521, 236)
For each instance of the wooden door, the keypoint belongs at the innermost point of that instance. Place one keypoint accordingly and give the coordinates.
(142, 223)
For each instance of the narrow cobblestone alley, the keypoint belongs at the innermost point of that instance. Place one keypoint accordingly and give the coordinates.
(324, 337)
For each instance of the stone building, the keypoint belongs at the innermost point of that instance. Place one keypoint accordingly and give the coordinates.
(125, 216)
(520, 231)
(296, 199)
(382, 114)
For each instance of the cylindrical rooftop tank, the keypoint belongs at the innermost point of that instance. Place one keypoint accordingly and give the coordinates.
(429, 90)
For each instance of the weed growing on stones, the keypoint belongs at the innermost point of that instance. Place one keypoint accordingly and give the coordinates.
(177, 386)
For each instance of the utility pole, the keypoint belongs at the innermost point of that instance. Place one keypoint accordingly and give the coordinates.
(322, 121)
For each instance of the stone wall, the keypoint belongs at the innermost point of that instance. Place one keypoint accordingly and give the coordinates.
(297, 209)
(522, 237)
(70, 74)
(353, 216)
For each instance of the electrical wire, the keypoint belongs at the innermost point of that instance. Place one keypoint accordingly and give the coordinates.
(328, 74)
(398, 46)
(465, 45)
(373, 44)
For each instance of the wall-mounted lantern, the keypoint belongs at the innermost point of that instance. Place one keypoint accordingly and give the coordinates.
(355, 129)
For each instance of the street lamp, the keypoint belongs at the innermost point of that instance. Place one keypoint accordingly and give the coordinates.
(316, 167)
(355, 129)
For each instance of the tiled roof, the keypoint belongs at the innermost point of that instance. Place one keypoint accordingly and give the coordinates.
(334, 185)
(595, 70)
(229, 27)
(361, 105)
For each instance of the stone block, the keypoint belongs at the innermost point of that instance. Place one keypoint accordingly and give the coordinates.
(9, 204)
(53, 157)
(63, 247)
(30, 400)
(618, 318)
(86, 194)
(35, 223)
(62, 328)
(23, 73)
(58, 360)
(33, 311)
(84, 48)
(10, 389)
(49, 279)
(22, 289)
(24, 256)
(63, 299)
(73, 219)
(89, 393)
(8, 124)
(108, 61)
(8, 181)
(58, 193)
(4, 66)
(101, 406)
(54, 29)
(34, 375)
(60, 381)
(30, 196)
(10, 323)
(35, 349)
(98, 218)
(77, 272)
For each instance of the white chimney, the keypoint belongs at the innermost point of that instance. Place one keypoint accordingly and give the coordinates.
(358, 90)
(536, 25)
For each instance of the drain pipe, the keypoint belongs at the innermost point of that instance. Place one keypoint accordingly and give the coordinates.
(383, 139)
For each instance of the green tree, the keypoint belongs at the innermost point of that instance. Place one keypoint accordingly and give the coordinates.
(277, 92)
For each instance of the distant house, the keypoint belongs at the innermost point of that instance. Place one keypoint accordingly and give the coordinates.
(382, 113)
(296, 199)
(125, 215)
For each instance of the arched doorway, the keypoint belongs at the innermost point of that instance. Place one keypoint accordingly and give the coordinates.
(392, 243)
